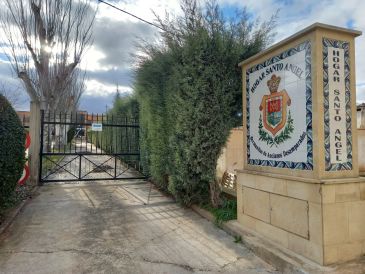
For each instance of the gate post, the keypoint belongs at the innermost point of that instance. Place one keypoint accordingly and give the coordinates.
(34, 130)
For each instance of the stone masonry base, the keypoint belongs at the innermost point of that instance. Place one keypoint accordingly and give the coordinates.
(323, 221)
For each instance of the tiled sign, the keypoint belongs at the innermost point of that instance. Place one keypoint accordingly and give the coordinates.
(337, 105)
(279, 110)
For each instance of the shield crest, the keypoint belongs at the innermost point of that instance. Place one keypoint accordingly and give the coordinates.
(274, 106)
(274, 111)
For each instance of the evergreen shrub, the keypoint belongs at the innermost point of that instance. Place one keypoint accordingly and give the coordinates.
(12, 148)
(190, 96)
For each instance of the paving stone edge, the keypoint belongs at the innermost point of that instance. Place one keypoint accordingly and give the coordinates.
(14, 213)
(280, 259)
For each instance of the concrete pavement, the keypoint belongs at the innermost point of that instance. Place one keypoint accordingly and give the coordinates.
(107, 228)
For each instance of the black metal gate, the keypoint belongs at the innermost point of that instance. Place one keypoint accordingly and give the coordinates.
(87, 147)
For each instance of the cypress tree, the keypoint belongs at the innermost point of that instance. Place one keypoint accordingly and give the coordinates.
(189, 91)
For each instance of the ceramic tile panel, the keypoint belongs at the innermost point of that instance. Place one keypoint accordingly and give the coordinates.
(279, 110)
(337, 134)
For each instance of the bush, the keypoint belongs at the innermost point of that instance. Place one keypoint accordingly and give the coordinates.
(70, 134)
(189, 94)
(12, 148)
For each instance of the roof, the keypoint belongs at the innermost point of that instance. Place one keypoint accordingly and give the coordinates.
(361, 106)
(308, 29)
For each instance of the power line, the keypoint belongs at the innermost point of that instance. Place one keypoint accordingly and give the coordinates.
(135, 16)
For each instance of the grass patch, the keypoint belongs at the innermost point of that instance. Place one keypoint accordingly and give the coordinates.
(228, 211)
(237, 239)
(48, 161)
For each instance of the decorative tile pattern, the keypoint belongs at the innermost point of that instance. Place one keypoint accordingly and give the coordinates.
(308, 165)
(343, 45)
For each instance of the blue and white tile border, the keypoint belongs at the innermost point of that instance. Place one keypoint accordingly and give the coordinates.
(308, 74)
(343, 45)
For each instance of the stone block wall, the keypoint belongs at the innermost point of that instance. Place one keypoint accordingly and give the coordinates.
(323, 221)
(285, 211)
(343, 221)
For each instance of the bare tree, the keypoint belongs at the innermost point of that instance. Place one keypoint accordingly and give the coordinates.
(45, 41)
(12, 93)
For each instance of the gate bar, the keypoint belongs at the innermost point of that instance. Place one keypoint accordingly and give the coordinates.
(41, 148)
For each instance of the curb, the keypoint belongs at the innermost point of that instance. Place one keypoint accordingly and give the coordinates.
(11, 217)
(283, 260)
(13, 213)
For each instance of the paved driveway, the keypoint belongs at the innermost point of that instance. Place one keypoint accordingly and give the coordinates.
(106, 228)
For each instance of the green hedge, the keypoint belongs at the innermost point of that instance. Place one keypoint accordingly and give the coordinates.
(189, 94)
(12, 148)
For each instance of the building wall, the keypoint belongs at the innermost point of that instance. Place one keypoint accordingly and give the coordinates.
(24, 117)
(361, 137)
(232, 154)
(230, 160)
(361, 144)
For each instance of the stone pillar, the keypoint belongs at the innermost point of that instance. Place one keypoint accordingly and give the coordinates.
(34, 129)
(300, 186)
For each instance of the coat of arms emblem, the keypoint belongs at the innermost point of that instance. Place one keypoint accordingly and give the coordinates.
(275, 114)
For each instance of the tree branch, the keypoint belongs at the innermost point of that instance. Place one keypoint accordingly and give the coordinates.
(28, 86)
(43, 35)
(41, 31)
(33, 54)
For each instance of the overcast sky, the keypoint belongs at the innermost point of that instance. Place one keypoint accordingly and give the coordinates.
(109, 63)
